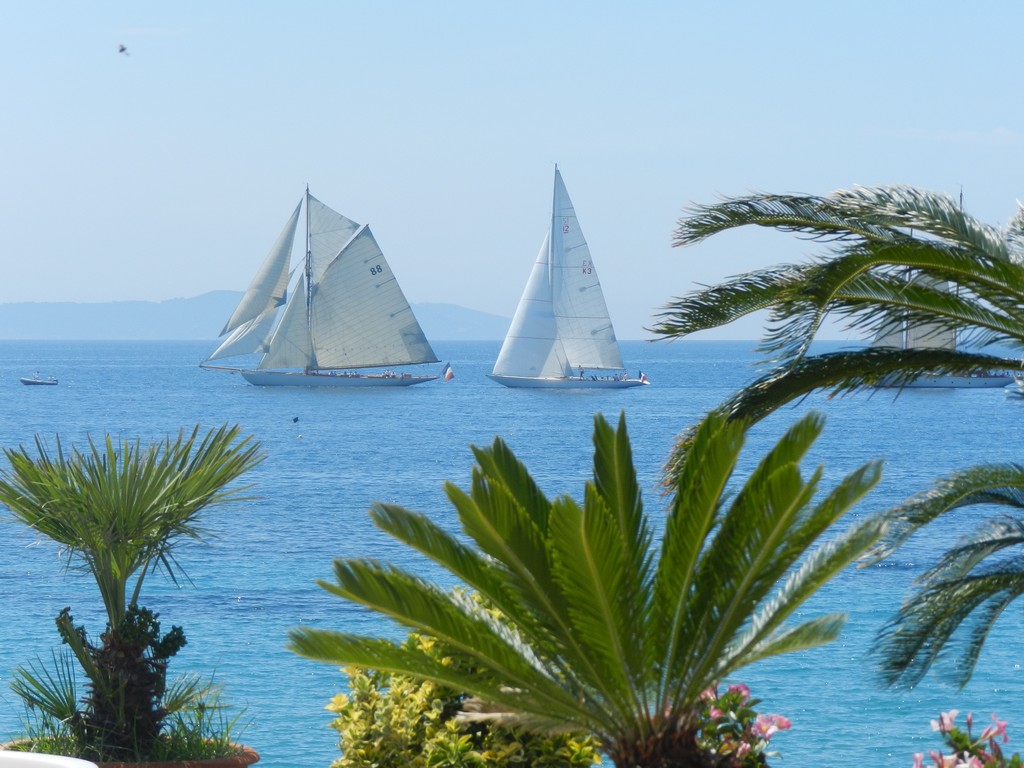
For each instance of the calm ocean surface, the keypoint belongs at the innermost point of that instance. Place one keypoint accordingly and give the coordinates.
(350, 448)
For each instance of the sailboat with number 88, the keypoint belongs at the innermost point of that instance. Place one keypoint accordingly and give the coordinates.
(345, 313)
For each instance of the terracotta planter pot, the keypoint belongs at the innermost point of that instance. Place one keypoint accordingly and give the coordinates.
(242, 758)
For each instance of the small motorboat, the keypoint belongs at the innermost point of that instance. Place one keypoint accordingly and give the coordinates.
(37, 379)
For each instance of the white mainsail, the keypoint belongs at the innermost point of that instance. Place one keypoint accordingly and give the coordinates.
(346, 310)
(561, 324)
(906, 335)
(360, 317)
(903, 334)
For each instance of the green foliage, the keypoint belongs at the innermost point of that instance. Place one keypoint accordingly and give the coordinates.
(197, 726)
(967, 750)
(597, 627)
(119, 512)
(732, 733)
(894, 255)
(393, 721)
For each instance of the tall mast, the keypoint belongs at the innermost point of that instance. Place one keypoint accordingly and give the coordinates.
(309, 277)
(309, 267)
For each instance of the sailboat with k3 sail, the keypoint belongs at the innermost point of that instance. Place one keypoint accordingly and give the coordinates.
(345, 313)
(562, 335)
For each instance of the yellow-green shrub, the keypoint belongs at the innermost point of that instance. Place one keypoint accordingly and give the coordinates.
(392, 721)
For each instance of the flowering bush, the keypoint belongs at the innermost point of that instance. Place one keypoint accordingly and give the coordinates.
(732, 733)
(966, 750)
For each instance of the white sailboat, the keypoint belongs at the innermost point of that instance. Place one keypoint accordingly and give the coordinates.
(561, 335)
(346, 313)
(905, 335)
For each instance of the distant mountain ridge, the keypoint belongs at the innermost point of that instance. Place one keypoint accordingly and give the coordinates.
(198, 318)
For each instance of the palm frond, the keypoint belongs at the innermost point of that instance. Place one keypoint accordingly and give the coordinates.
(722, 304)
(816, 217)
(52, 690)
(592, 567)
(838, 373)
(330, 646)
(926, 624)
(699, 493)
(935, 213)
(1001, 484)
(809, 634)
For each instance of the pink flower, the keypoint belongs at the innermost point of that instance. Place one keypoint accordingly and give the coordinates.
(945, 723)
(997, 729)
(766, 726)
(743, 750)
(715, 713)
(709, 694)
(919, 760)
(742, 690)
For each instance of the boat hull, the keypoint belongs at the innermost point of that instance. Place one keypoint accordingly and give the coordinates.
(334, 381)
(39, 382)
(568, 382)
(956, 382)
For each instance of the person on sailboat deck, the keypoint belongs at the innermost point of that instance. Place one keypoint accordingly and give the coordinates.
(581, 373)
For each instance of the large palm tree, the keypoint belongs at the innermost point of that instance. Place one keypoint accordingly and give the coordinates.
(121, 511)
(597, 628)
(894, 255)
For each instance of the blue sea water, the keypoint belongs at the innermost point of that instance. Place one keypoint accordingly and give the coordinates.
(257, 578)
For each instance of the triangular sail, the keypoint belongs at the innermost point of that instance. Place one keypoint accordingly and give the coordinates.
(249, 338)
(531, 348)
(268, 289)
(584, 325)
(360, 317)
(562, 323)
(291, 346)
(346, 310)
(329, 231)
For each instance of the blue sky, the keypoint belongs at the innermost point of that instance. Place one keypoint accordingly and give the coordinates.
(169, 172)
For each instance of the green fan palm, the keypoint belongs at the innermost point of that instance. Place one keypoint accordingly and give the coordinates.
(598, 628)
(120, 512)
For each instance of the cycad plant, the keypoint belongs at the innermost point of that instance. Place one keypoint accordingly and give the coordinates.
(601, 625)
(120, 511)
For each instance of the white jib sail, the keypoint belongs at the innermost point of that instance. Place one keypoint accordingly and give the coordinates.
(268, 289)
(248, 338)
(531, 348)
(584, 325)
(360, 317)
(291, 347)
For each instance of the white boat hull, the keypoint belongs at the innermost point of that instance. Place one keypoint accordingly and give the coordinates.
(956, 382)
(35, 381)
(337, 381)
(567, 382)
